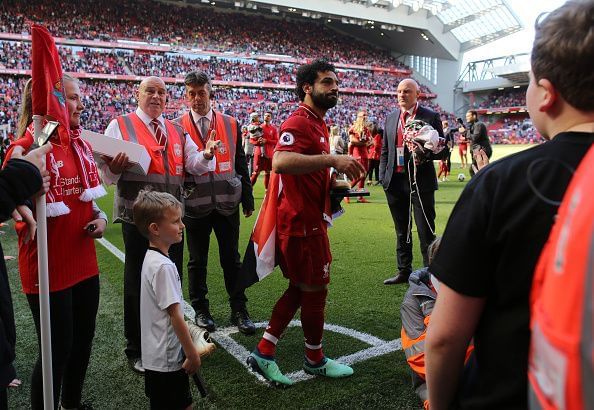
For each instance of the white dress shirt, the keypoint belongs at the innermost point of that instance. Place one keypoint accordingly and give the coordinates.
(197, 118)
(194, 161)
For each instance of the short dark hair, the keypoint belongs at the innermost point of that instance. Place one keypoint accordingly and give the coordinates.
(563, 52)
(474, 113)
(198, 78)
(307, 74)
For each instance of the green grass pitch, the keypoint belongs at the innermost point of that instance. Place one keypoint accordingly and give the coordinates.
(363, 247)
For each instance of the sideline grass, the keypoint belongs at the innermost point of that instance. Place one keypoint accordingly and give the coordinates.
(363, 245)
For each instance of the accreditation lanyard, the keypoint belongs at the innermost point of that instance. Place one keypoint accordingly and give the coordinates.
(403, 121)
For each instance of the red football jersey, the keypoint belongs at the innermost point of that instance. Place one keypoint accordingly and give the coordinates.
(302, 200)
(270, 134)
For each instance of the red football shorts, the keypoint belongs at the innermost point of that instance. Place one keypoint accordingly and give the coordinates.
(262, 164)
(305, 259)
(462, 149)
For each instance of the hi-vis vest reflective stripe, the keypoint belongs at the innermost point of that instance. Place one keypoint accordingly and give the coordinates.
(561, 366)
(166, 172)
(219, 190)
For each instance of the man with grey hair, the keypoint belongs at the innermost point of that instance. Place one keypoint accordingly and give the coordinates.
(408, 181)
(171, 154)
(212, 202)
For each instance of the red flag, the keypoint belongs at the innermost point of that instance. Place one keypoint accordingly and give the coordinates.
(260, 256)
(47, 89)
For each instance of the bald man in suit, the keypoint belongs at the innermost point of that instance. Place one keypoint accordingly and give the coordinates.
(396, 173)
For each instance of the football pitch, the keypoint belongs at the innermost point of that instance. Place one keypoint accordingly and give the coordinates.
(362, 319)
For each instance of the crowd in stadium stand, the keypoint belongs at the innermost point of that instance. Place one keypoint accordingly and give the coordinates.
(505, 98)
(104, 100)
(514, 131)
(104, 61)
(200, 27)
(205, 29)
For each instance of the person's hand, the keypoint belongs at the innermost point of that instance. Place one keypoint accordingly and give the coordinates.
(35, 156)
(95, 228)
(23, 213)
(211, 146)
(461, 129)
(482, 160)
(192, 363)
(349, 166)
(117, 164)
(248, 212)
(45, 186)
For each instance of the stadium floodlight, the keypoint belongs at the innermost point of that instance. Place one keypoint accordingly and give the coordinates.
(305, 14)
(239, 4)
(274, 9)
(205, 1)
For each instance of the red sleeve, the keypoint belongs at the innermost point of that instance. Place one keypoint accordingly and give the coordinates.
(25, 141)
(295, 136)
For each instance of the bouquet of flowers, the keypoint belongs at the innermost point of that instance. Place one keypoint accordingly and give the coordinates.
(422, 139)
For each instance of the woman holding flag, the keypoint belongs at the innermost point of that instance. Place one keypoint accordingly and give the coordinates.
(73, 222)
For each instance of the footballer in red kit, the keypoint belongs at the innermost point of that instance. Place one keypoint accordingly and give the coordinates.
(264, 149)
(303, 163)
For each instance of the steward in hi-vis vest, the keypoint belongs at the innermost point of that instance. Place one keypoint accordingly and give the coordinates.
(212, 202)
(561, 370)
(415, 314)
(222, 188)
(172, 154)
(166, 172)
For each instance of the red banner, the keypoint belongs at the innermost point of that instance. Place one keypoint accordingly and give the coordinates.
(47, 89)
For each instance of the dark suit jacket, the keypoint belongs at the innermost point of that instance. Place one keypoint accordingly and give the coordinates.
(426, 178)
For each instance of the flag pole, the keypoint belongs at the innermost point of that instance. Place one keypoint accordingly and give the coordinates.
(44, 306)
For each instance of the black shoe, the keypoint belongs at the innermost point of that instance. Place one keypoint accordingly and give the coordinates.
(401, 277)
(204, 320)
(242, 320)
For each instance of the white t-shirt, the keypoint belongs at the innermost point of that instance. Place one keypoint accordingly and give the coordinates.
(160, 287)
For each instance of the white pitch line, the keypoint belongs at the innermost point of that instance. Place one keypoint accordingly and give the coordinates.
(223, 337)
(378, 347)
(188, 311)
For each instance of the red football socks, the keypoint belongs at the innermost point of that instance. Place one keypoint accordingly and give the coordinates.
(312, 321)
(266, 180)
(283, 312)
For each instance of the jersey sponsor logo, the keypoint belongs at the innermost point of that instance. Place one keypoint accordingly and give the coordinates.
(286, 138)
(179, 169)
(224, 166)
(59, 164)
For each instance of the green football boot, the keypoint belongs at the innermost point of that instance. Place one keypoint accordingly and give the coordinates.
(329, 368)
(269, 369)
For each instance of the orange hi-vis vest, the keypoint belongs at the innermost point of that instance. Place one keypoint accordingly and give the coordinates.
(166, 172)
(220, 189)
(561, 366)
(415, 314)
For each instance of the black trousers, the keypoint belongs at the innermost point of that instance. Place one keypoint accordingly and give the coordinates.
(399, 201)
(373, 166)
(135, 246)
(226, 229)
(72, 313)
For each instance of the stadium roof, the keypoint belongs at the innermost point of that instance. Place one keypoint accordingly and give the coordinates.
(433, 28)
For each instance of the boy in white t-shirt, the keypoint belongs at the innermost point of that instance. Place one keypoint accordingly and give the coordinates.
(163, 331)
